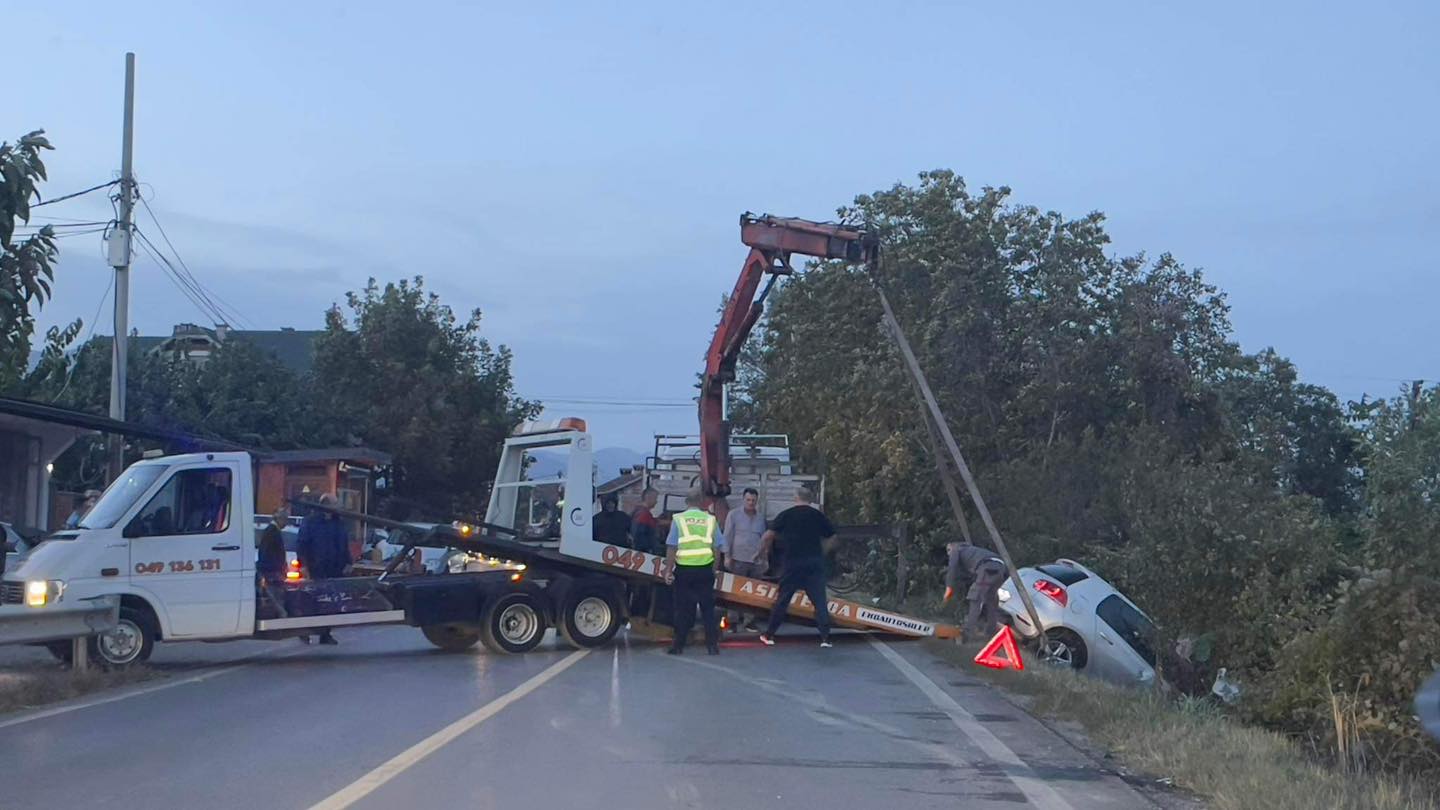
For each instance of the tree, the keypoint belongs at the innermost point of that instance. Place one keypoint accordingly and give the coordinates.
(407, 376)
(26, 266)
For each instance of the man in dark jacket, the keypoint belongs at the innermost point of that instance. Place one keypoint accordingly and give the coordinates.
(324, 548)
(271, 563)
(984, 573)
(611, 526)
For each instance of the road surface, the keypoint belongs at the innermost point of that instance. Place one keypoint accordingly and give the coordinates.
(385, 721)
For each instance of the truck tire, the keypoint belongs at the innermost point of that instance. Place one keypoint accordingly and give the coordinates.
(590, 617)
(129, 642)
(452, 637)
(512, 623)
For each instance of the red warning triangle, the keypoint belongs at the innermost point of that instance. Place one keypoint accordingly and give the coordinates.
(1004, 641)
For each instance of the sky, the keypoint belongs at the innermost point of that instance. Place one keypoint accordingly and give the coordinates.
(576, 171)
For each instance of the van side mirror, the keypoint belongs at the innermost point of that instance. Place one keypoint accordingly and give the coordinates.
(132, 530)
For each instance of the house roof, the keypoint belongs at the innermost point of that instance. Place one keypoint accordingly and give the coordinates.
(624, 481)
(295, 348)
(366, 456)
(65, 416)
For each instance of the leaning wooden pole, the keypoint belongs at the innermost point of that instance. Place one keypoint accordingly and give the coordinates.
(947, 481)
(939, 420)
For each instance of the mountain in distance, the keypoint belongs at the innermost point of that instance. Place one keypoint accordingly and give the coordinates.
(608, 463)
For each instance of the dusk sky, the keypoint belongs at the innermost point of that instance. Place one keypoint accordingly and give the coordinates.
(577, 170)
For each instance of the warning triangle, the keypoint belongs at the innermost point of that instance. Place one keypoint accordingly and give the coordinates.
(1004, 641)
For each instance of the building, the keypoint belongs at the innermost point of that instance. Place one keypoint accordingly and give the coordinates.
(197, 344)
(349, 472)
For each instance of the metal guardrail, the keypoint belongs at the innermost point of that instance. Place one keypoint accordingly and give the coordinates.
(75, 622)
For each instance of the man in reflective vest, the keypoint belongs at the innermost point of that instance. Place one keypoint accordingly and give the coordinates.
(692, 549)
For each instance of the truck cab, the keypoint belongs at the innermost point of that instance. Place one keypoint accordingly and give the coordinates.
(172, 537)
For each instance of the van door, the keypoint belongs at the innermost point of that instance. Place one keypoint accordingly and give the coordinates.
(187, 551)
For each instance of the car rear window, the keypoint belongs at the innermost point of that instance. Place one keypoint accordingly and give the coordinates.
(1063, 574)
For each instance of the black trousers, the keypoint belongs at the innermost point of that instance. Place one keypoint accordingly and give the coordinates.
(695, 587)
(811, 580)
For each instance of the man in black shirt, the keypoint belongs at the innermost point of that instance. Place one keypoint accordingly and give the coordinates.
(611, 525)
(805, 535)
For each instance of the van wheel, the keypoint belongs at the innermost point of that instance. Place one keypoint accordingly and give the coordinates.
(513, 623)
(129, 642)
(1064, 648)
(452, 637)
(590, 617)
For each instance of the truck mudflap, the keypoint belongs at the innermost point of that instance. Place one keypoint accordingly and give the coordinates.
(735, 590)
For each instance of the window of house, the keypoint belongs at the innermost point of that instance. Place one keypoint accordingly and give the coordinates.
(192, 502)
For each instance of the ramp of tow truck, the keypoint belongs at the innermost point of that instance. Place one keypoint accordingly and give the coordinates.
(738, 591)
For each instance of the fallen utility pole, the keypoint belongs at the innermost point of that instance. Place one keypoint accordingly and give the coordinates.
(947, 481)
(933, 407)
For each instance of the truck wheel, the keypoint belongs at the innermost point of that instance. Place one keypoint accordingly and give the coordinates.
(129, 642)
(452, 637)
(513, 623)
(590, 617)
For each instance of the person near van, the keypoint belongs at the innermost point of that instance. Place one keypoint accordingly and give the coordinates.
(985, 573)
(611, 526)
(694, 545)
(270, 564)
(324, 549)
(804, 535)
(92, 497)
(644, 529)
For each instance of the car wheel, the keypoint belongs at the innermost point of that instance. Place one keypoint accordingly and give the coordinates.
(590, 617)
(129, 642)
(1064, 648)
(512, 623)
(452, 637)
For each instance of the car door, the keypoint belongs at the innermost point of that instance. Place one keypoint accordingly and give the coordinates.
(186, 550)
(1125, 639)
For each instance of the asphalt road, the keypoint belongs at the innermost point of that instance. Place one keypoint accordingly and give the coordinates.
(385, 721)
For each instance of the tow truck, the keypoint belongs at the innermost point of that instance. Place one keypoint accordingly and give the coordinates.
(173, 537)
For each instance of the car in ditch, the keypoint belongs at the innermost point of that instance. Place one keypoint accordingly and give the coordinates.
(1087, 624)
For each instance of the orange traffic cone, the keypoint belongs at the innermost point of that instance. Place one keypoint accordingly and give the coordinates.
(1003, 642)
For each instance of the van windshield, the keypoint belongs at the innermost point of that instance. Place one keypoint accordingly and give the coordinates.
(121, 495)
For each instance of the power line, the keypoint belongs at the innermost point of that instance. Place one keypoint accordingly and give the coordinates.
(160, 260)
(75, 194)
(239, 319)
(70, 375)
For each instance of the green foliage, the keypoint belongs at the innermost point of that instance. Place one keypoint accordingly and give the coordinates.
(27, 266)
(407, 376)
(1110, 417)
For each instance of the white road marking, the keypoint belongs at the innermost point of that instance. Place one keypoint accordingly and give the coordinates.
(1040, 794)
(368, 783)
(168, 683)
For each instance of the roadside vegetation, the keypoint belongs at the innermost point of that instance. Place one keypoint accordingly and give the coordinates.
(30, 686)
(1194, 744)
(1111, 417)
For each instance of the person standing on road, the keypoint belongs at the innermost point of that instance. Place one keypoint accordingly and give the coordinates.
(324, 549)
(644, 529)
(745, 532)
(985, 573)
(271, 564)
(694, 545)
(805, 534)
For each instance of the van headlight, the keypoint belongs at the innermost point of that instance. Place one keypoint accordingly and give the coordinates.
(41, 592)
(1004, 594)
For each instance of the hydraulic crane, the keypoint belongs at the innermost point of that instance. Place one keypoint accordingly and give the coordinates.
(772, 241)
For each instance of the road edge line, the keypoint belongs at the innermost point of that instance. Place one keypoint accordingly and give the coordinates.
(1020, 774)
(398, 764)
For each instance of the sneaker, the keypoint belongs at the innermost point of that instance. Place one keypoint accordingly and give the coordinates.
(766, 640)
(825, 645)
(673, 650)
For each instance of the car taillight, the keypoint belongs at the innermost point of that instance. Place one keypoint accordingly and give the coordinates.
(1053, 591)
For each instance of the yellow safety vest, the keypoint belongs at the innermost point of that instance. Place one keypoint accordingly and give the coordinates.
(697, 537)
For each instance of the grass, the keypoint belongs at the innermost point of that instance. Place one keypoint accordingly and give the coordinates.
(1194, 743)
(32, 686)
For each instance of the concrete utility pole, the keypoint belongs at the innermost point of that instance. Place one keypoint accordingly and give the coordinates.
(933, 407)
(119, 254)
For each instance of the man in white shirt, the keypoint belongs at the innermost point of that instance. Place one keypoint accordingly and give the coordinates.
(745, 528)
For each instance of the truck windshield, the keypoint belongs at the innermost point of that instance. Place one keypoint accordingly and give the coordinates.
(121, 495)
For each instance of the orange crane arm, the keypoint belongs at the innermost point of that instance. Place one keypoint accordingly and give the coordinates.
(772, 240)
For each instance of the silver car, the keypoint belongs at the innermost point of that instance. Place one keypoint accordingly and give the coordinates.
(1087, 624)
